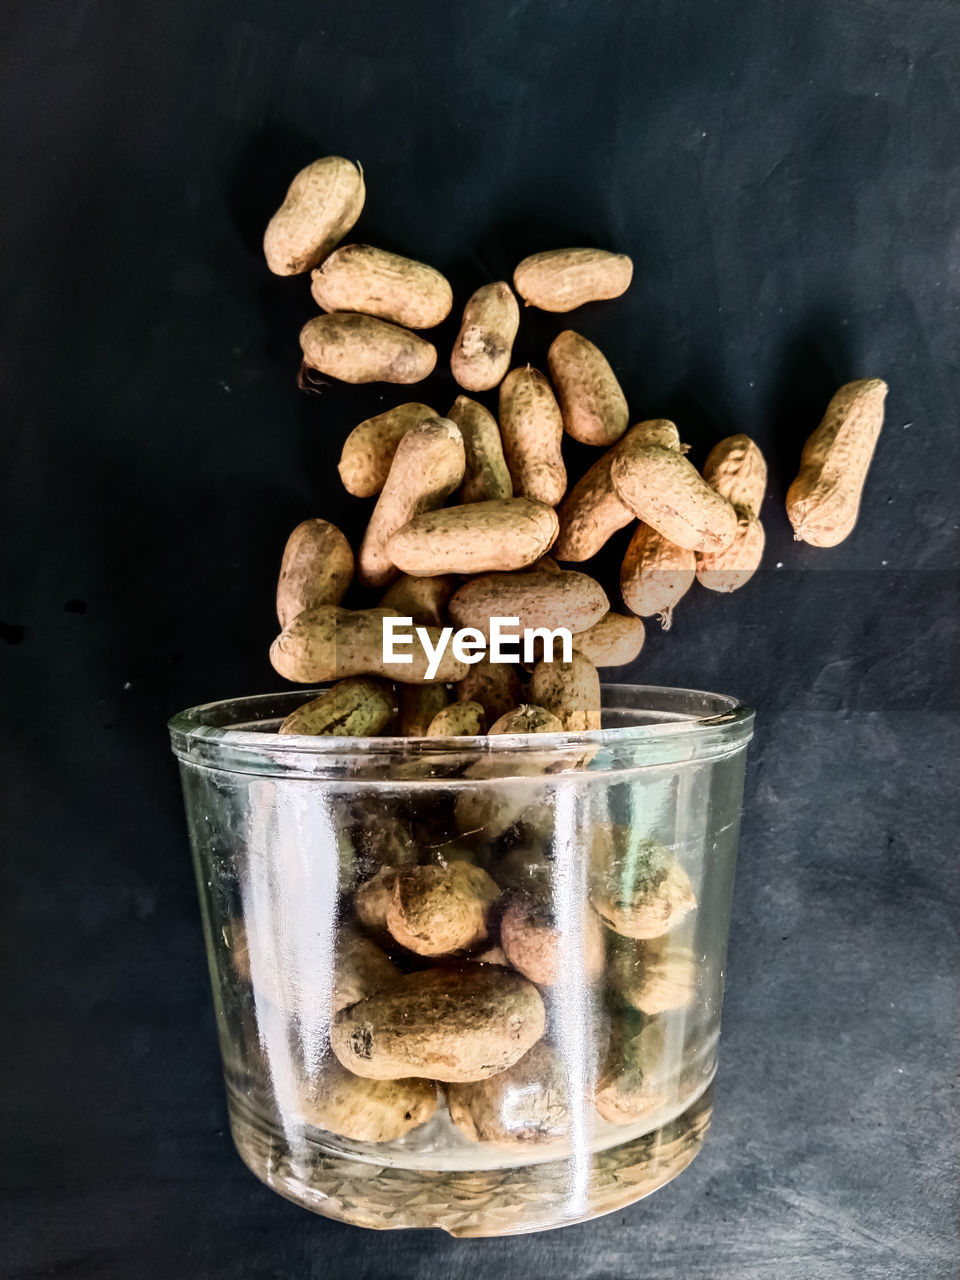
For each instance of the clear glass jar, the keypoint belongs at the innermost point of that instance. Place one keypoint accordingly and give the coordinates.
(467, 983)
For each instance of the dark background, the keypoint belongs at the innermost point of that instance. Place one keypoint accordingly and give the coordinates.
(786, 175)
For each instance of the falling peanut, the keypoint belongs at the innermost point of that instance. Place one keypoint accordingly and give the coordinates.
(426, 468)
(593, 406)
(358, 277)
(655, 575)
(481, 353)
(824, 501)
(563, 279)
(322, 204)
(532, 427)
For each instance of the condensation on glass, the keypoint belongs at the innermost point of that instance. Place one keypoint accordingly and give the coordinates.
(559, 1063)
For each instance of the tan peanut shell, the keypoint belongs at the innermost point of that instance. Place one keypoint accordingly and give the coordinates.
(526, 1105)
(666, 491)
(527, 719)
(731, 568)
(454, 1025)
(542, 599)
(613, 641)
(532, 943)
(736, 468)
(422, 599)
(358, 277)
(592, 403)
(354, 708)
(824, 500)
(360, 968)
(531, 427)
(495, 685)
(426, 468)
(417, 704)
(655, 575)
(371, 900)
(636, 885)
(331, 643)
(436, 911)
(356, 348)
(317, 568)
(636, 1077)
(458, 720)
(652, 976)
(340, 1102)
(486, 476)
(504, 533)
(369, 448)
(562, 279)
(570, 690)
(592, 512)
(322, 204)
(482, 351)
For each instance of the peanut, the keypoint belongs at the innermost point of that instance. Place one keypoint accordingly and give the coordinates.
(422, 599)
(592, 512)
(541, 599)
(481, 353)
(455, 1025)
(652, 976)
(505, 533)
(613, 641)
(527, 719)
(824, 500)
(330, 643)
(531, 942)
(563, 279)
(486, 475)
(360, 968)
(340, 1102)
(593, 406)
(655, 575)
(532, 427)
(459, 720)
(525, 1105)
(417, 704)
(637, 886)
(440, 910)
(356, 348)
(667, 492)
(322, 204)
(358, 277)
(571, 690)
(373, 898)
(426, 468)
(317, 568)
(736, 469)
(729, 569)
(369, 448)
(636, 1077)
(354, 708)
(495, 685)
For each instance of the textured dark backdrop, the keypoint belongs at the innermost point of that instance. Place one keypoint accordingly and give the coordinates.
(786, 176)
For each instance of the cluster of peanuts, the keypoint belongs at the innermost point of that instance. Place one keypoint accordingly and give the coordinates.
(473, 520)
(473, 512)
(448, 972)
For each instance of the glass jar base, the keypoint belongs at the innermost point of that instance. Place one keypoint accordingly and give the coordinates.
(509, 1200)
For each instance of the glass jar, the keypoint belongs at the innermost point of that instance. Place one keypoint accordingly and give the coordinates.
(469, 983)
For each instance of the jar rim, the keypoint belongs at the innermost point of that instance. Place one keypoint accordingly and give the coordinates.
(222, 734)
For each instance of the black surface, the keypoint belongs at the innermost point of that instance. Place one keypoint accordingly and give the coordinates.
(786, 176)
